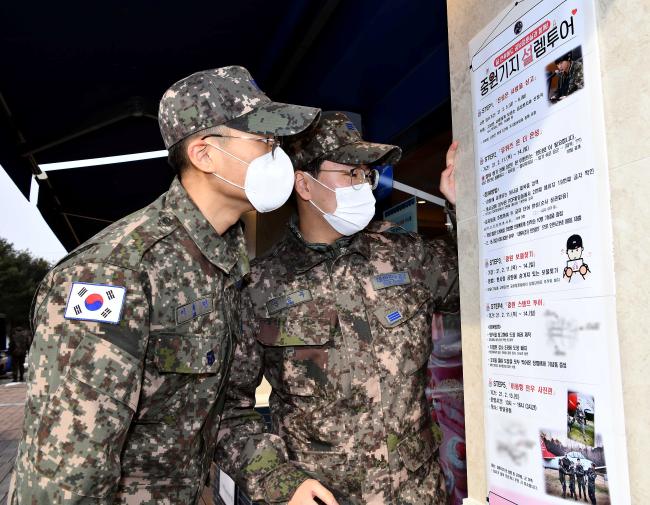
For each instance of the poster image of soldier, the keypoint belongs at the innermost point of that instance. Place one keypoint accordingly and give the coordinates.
(565, 75)
(576, 263)
(573, 471)
(580, 418)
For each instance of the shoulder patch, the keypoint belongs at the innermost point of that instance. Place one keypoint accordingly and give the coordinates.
(95, 302)
(192, 310)
(390, 279)
(136, 234)
(282, 302)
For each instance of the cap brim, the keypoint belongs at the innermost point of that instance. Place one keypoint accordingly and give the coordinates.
(276, 118)
(365, 153)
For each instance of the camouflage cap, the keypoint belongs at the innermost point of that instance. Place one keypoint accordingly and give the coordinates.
(335, 138)
(226, 96)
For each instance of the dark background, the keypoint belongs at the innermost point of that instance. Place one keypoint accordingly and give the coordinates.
(83, 80)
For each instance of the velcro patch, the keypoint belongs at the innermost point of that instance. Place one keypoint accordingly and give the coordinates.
(393, 316)
(282, 302)
(192, 310)
(387, 280)
(95, 302)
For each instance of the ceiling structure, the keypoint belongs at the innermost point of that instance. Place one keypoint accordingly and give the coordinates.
(83, 80)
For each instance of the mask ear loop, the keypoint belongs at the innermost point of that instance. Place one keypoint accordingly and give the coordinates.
(229, 154)
(321, 210)
(316, 180)
(232, 156)
(227, 181)
(311, 201)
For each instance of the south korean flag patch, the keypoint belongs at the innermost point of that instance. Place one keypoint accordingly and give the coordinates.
(95, 302)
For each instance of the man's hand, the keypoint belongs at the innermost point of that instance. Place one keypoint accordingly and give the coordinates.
(447, 178)
(308, 491)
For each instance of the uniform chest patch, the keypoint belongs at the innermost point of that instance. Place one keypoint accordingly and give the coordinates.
(282, 302)
(383, 281)
(95, 302)
(394, 316)
(192, 310)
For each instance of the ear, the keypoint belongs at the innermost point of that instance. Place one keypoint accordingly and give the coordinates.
(302, 185)
(201, 155)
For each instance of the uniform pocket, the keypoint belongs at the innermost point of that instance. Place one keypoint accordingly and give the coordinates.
(187, 354)
(321, 462)
(297, 344)
(83, 426)
(404, 322)
(416, 449)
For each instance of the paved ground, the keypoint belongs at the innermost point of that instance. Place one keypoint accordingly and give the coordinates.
(12, 400)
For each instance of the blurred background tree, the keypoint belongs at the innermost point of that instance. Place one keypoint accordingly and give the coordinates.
(20, 275)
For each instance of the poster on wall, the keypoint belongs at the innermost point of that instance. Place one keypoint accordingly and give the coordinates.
(553, 395)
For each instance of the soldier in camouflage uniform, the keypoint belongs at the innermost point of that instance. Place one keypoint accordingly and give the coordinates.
(134, 330)
(19, 342)
(581, 419)
(580, 480)
(571, 472)
(340, 325)
(570, 76)
(591, 483)
(563, 466)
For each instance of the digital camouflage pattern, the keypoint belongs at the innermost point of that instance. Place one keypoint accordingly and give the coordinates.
(226, 96)
(335, 138)
(571, 81)
(129, 413)
(343, 334)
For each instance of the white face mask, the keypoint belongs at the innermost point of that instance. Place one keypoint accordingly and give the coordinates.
(355, 207)
(269, 179)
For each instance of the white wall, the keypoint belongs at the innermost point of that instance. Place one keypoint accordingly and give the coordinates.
(624, 39)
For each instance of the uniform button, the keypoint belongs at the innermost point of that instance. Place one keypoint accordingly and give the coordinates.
(166, 220)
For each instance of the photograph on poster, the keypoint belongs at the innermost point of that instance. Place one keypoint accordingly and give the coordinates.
(565, 75)
(575, 263)
(580, 418)
(573, 471)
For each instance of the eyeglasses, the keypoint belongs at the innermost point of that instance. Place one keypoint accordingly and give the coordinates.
(358, 176)
(273, 142)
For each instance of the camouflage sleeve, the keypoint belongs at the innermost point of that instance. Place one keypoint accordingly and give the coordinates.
(84, 384)
(577, 79)
(440, 266)
(256, 459)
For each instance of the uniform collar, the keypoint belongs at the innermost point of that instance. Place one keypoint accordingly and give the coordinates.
(227, 251)
(306, 255)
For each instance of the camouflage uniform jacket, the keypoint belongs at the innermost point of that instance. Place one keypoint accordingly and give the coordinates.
(343, 334)
(129, 412)
(572, 81)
